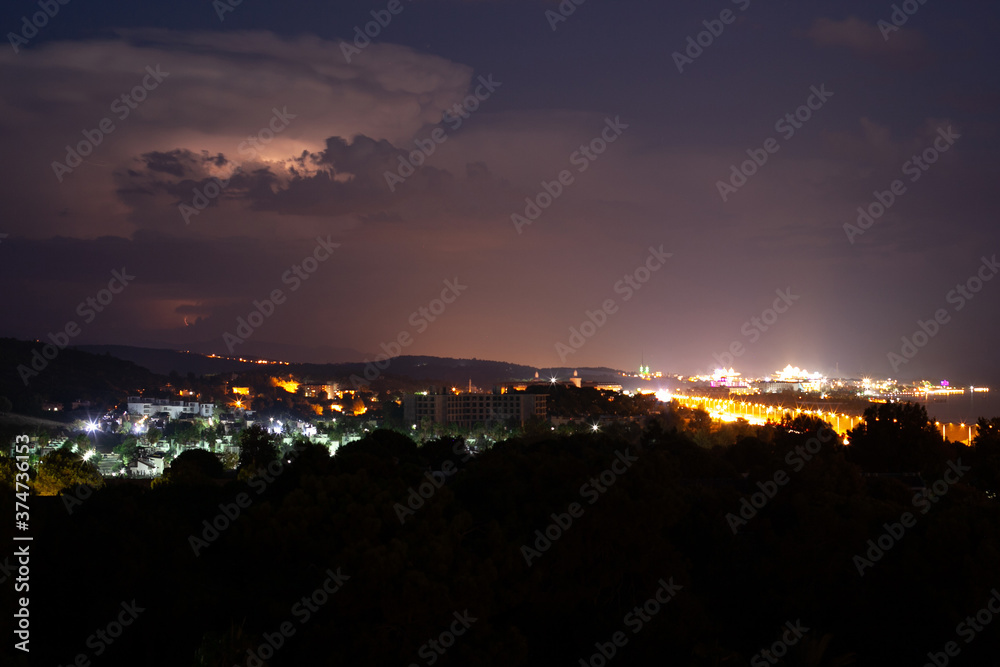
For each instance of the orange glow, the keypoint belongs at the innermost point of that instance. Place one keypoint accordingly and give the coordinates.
(241, 391)
(291, 386)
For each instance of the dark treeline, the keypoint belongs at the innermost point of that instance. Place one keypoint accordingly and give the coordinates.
(653, 507)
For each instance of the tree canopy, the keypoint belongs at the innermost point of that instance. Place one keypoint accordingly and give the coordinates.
(257, 449)
(61, 469)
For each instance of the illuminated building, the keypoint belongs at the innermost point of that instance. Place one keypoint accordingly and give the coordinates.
(796, 379)
(327, 391)
(645, 373)
(467, 410)
(575, 381)
(138, 405)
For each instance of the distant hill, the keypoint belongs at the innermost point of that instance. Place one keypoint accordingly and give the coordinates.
(104, 374)
(457, 372)
(165, 362)
(70, 376)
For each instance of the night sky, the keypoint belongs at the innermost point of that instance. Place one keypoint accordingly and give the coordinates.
(593, 117)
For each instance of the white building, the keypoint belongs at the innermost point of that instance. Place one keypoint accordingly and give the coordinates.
(148, 467)
(148, 407)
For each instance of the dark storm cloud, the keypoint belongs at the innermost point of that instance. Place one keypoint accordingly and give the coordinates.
(217, 92)
(347, 178)
(177, 162)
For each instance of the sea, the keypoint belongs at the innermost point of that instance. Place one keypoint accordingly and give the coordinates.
(959, 408)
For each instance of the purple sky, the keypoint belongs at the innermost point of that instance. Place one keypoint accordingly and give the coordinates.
(328, 131)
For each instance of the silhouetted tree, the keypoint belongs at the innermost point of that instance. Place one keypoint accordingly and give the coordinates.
(195, 466)
(897, 437)
(986, 465)
(257, 449)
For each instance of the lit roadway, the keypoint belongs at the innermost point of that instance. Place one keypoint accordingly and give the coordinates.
(731, 409)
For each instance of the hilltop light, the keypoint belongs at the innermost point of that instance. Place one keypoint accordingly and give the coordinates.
(91, 427)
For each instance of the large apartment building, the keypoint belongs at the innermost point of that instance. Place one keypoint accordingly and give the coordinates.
(469, 409)
(138, 405)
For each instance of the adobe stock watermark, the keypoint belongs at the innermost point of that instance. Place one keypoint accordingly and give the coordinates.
(30, 27)
(635, 621)
(901, 13)
(122, 107)
(88, 310)
(787, 125)
(960, 295)
(796, 460)
(372, 29)
(773, 654)
(7, 570)
(419, 496)
(714, 28)
(248, 149)
(581, 159)
(294, 276)
(230, 512)
(420, 320)
(591, 490)
(924, 501)
(223, 7)
(454, 117)
(101, 639)
(627, 286)
(302, 611)
(914, 168)
(566, 9)
(432, 650)
(755, 326)
(76, 496)
(968, 629)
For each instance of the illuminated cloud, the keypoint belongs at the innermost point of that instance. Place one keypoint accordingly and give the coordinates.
(217, 90)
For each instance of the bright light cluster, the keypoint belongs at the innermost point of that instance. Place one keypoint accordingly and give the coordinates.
(795, 374)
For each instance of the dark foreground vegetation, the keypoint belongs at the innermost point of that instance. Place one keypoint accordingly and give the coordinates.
(621, 516)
